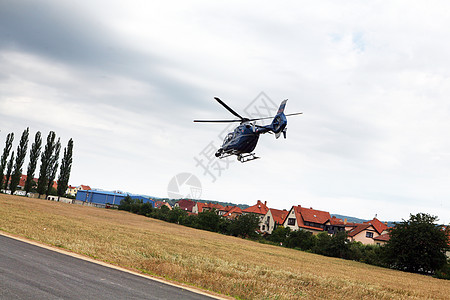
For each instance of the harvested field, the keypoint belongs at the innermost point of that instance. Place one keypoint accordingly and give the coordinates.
(227, 265)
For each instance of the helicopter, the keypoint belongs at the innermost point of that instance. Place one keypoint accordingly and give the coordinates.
(242, 141)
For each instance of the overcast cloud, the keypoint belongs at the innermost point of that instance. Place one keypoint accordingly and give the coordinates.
(125, 79)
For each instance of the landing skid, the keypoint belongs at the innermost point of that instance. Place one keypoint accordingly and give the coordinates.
(246, 157)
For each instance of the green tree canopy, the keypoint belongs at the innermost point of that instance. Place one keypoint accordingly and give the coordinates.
(4, 158)
(35, 151)
(46, 163)
(20, 158)
(66, 165)
(417, 245)
(52, 169)
(9, 170)
(245, 226)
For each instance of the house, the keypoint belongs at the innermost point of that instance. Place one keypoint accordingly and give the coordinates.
(372, 232)
(83, 188)
(185, 204)
(260, 209)
(382, 239)
(364, 233)
(160, 204)
(198, 207)
(271, 219)
(71, 190)
(233, 213)
(335, 225)
(225, 209)
(378, 225)
(307, 219)
(202, 207)
(211, 206)
(23, 180)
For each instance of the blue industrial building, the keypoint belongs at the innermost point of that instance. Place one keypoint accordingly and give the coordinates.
(104, 197)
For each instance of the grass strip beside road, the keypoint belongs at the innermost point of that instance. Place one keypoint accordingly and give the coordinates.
(223, 264)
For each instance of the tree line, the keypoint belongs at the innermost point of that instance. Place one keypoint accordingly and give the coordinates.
(48, 167)
(244, 226)
(416, 245)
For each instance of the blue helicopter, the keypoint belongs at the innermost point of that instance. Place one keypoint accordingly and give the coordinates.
(242, 141)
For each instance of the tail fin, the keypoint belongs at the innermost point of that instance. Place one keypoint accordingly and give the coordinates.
(282, 106)
(279, 122)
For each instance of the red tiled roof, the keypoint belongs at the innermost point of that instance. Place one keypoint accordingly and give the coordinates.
(358, 229)
(279, 215)
(378, 225)
(234, 210)
(200, 206)
(300, 222)
(336, 221)
(213, 205)
(159, 204)
(85, 187)
(384, 237)
(258, 208)
(23, 179)
(185, 204)
(227, 208)
(314, 216)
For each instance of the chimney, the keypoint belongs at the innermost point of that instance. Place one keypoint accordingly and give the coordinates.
(265, 203)
(345, 221)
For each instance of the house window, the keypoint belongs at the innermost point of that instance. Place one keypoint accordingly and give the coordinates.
(291, 221)
(369, 234)
(263, 227)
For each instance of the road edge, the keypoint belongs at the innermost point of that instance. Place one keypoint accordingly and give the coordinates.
(108, 265)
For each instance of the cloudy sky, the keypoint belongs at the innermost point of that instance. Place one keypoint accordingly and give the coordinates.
(125, 79)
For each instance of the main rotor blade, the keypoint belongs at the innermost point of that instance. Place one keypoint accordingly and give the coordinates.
(256, 119)
(217, 121)
(229, 108)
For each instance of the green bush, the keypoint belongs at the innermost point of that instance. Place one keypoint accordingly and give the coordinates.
(444, 272)
(279, 235)
(301, 239)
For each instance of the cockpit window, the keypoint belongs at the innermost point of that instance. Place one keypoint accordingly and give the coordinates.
(228, 138)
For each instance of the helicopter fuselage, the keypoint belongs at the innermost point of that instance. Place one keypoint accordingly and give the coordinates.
(242, 140)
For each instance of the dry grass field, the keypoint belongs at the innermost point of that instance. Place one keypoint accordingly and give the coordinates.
(231, 266)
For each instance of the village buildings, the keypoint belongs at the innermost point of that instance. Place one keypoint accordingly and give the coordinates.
(272, 219)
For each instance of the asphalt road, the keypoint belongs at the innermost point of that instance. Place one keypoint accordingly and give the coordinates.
(31, 272)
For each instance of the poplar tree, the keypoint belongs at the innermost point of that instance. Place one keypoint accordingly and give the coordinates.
(4, 158)
(53, 167)
(20, 158)
(46, 158)
(9, 169)
(66, 166)
(34, 156)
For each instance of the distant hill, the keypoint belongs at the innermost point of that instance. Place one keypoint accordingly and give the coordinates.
(241, 206)
(173, 201)
(358, 220)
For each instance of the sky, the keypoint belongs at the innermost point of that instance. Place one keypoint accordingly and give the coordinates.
(125, 80)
